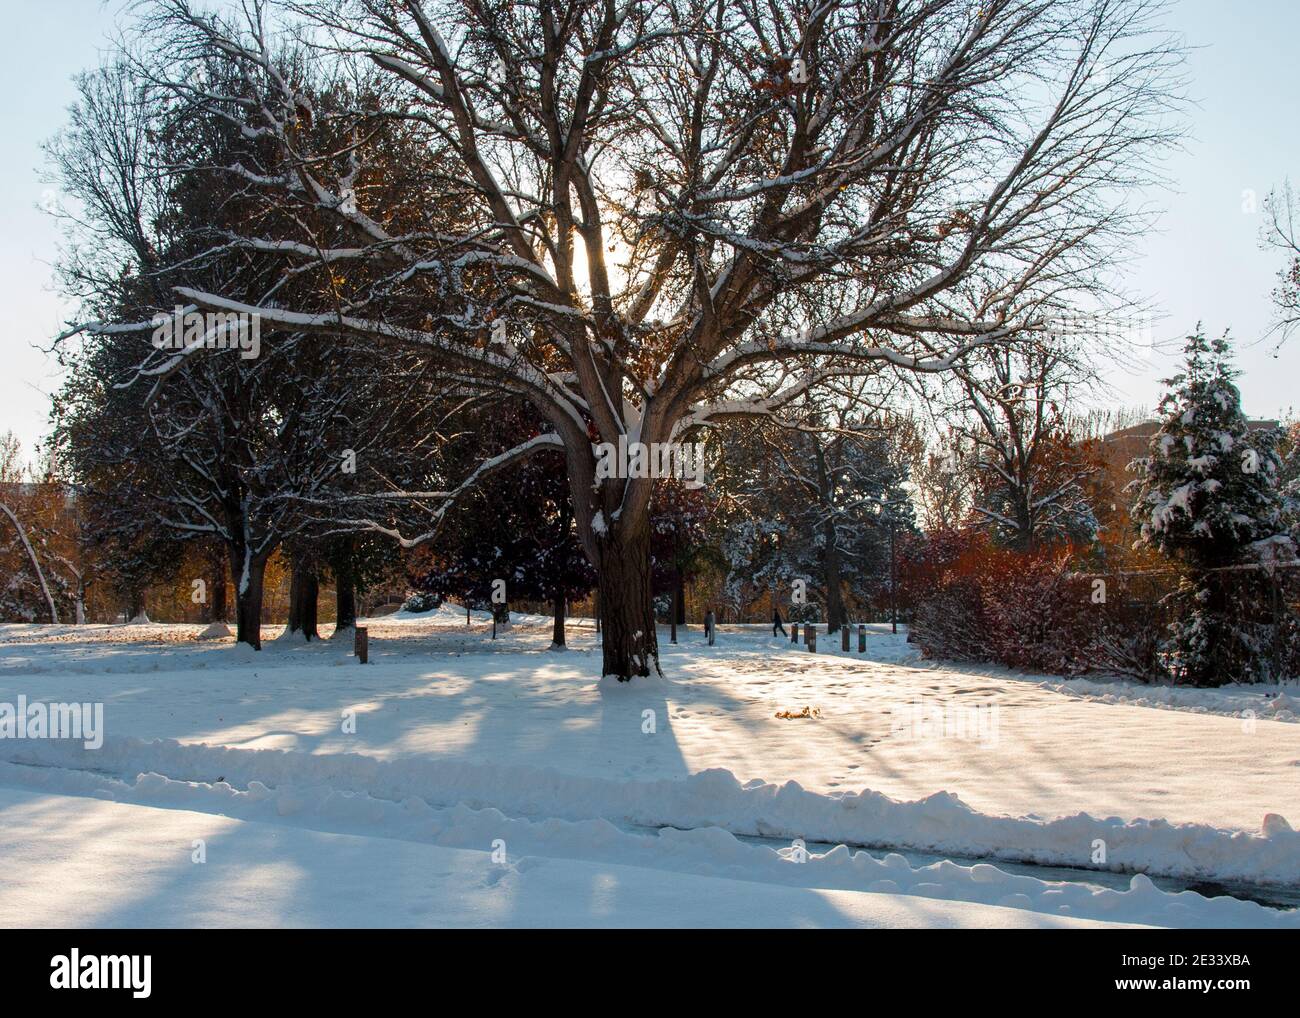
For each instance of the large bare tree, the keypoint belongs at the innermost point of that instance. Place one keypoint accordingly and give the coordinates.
(1031, 468)
(674, 212)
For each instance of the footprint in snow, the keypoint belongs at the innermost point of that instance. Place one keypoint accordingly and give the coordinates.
(499, 872)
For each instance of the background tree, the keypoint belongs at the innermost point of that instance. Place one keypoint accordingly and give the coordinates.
(824, 501)
(680, 542)
(515, 527)
(1032, 474)
(199, 444)
(944, 475)
(27, 588)
(1282, 234)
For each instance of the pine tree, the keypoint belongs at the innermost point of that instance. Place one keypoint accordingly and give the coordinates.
(1208, 496)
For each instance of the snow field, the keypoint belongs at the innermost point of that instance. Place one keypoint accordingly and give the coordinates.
(462, 741)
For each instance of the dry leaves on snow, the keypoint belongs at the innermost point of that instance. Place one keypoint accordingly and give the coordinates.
(807, 712)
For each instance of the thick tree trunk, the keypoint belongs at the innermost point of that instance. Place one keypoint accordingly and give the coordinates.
(248, 602)
(295, 601)
(1024, 539)
(557, 630)
(834, 586)
(345, 600)
(310, 613)
(304, 595)
(294, 624)
(343, 565)
(831, 552)
(217, 607)
(630, 642)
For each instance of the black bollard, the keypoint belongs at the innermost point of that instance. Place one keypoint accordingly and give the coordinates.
(862, 638)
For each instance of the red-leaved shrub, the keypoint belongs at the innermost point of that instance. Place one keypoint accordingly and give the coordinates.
(973, 600)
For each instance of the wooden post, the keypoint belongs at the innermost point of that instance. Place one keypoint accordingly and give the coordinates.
(361, 644)
(809, 632)
(862, 638)
(812, 639)
(844, 637)
(794, 632)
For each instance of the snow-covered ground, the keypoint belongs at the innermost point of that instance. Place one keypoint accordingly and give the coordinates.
(87, 863)
(330, 793)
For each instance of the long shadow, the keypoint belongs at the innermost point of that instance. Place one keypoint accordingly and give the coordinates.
(448, 694)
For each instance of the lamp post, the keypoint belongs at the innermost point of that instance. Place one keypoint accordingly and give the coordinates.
(893, 579)
(674, 604)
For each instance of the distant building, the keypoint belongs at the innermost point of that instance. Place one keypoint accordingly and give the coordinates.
(1118, 450)
(1121, 447)
(21, 491)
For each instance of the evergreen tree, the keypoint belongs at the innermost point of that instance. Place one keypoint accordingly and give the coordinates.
(1208, 495)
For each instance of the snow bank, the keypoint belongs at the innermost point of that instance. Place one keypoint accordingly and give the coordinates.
(708, 852)
(127, 876)
(941, 823)
(1264, 702)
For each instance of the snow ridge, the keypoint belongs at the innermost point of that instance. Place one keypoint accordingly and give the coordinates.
(709, 851)
(940, 823)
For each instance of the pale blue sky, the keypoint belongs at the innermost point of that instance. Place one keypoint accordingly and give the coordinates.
(1205, 264)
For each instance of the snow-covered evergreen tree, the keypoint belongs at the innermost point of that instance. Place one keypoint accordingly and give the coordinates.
(816, 506)
(1208, 495)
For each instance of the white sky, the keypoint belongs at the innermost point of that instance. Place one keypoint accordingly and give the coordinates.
(1204, 264)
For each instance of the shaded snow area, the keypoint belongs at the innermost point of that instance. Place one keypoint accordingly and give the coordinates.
(460, 780)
